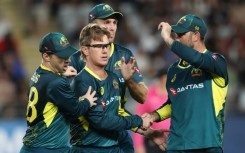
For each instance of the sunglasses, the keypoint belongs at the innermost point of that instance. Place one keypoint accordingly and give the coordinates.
(181, 34)
(103, 46)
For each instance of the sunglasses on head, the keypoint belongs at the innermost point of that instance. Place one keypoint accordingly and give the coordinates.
(103, 46)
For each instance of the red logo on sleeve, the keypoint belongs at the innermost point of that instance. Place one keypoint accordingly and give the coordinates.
(137, 70)
(214, 57)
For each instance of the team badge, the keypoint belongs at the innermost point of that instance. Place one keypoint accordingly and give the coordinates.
(115, 84)
(107, 8)
(63, 41)
(102, 90)
(196, 72)
(182, 20)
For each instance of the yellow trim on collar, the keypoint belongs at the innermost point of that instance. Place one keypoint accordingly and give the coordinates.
(205, 51)
(112, 49)
(48, 69)
(92, 73)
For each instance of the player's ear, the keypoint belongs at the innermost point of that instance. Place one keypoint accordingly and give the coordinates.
(84, 50)
(46, 57)
(196, 36)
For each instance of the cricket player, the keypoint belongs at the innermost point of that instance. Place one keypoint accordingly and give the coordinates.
(197, 86)
(105, 16)
(98, 129)
(52, 103)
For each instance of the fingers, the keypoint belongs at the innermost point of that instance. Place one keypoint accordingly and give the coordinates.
(93, 93)
(147, 122)
(160, 26)
(123, 60)
(163, 147)
(89, 90)
(93, 103)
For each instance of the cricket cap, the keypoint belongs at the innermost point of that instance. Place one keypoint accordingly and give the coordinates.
(102, 11)
(190, 23)
(56, 43)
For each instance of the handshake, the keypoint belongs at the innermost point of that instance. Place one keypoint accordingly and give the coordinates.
(158, 136)
(148, 120)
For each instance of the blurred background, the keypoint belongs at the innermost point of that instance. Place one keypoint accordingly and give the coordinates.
(24, 22)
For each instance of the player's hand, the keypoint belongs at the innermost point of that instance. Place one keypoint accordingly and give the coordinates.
(90, 97)
(166, 32)
(154, 117)
(147, 122)
(159, 137)
(128, 69)
(70, 72)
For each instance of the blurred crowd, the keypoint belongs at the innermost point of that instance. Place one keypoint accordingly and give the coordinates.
(137, 31)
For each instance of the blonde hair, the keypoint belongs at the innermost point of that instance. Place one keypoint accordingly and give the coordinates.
(92, 32)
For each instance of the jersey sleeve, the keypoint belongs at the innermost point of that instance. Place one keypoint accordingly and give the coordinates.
(61, 94)
(164, 111)
(77, 62)
(212, 62)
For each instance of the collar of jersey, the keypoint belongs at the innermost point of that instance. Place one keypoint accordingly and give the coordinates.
(112, 49)
(92, 73)
(48, 69)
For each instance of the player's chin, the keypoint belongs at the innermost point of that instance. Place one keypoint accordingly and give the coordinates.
(104, 62)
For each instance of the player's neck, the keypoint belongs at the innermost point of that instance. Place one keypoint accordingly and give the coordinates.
(100, 71)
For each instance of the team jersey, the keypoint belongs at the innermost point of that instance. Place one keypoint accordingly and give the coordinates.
(100, 125)
(114, 63)
(51, 104)
(197, 85)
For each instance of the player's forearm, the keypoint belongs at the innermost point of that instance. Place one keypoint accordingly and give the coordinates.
(137, 90)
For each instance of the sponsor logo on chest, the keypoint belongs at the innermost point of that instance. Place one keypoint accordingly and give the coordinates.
(175, 91)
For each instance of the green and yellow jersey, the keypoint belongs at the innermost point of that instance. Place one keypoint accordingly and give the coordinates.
(51, 103)
(114, 63)
(197, 85)
(99, 127)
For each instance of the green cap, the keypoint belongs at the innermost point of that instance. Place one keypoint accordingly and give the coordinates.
(190, 23)
(56, 43)
(102, 11)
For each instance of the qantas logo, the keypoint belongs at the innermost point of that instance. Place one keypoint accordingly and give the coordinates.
(109, 101)
(174, 92)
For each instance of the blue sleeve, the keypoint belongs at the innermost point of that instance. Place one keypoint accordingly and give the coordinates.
(77, 62)
(61, 95)
(212, 62)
